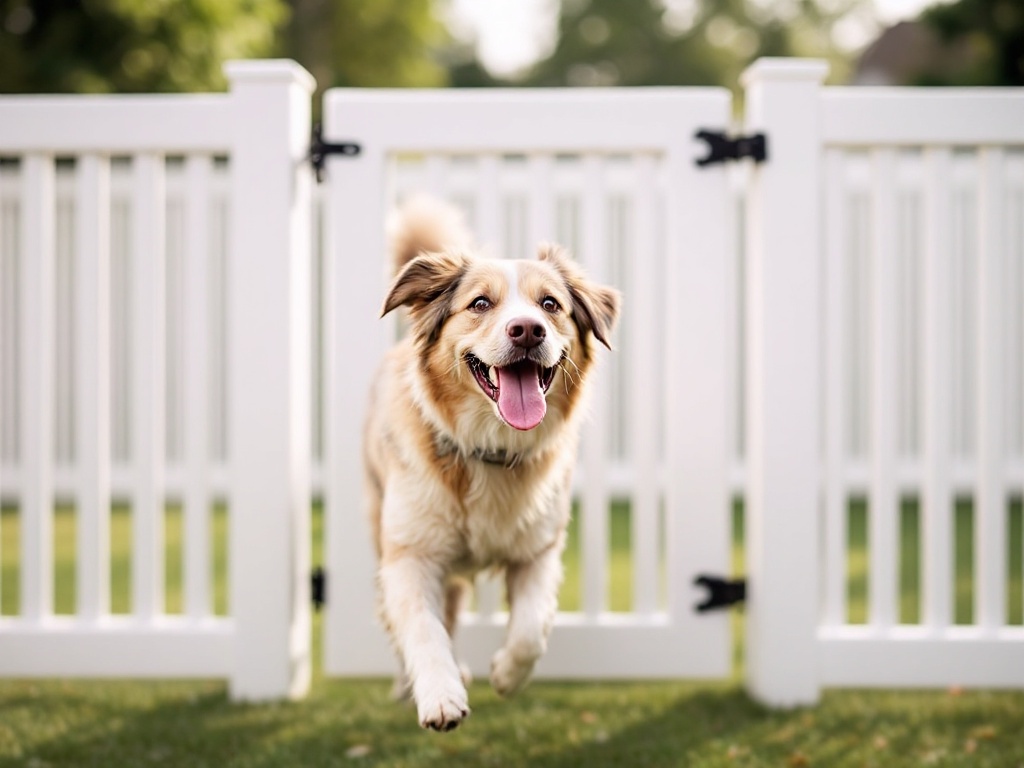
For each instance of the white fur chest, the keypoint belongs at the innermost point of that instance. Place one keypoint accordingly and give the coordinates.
(506, 520)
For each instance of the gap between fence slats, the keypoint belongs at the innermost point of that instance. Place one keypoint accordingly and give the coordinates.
(92, 375)
(594, 451)
(644, 353)
(196, 359)
(990, 503)
(37, 259)
(148, 361)
(883, 526)
(936, 520)
(834, 351)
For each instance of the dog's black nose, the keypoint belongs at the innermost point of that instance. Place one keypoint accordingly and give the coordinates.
(525, 332)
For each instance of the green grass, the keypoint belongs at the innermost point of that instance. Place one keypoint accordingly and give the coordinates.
(346, 722)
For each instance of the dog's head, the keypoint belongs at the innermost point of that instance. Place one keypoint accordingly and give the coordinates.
(506, 331)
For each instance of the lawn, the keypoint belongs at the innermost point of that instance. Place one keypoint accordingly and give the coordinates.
(345, 722)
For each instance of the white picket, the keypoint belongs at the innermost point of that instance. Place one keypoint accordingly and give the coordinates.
(645, 352)
(883, 513)
(990, 507)
(92, 377)
(37, 383)
(196, 320)
(148, 360)
(937, 492)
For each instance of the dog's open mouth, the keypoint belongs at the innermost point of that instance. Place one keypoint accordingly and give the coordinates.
(518, 389)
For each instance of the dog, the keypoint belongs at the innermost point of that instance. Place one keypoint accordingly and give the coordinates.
(470, 445)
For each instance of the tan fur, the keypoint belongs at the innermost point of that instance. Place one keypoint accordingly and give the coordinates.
(439, 514)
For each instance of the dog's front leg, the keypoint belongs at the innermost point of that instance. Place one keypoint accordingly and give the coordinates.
(533, 597)
(413, 592)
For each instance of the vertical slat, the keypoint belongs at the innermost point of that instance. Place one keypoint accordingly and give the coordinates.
(488, 204)
(92, 374)
(834, 352)
(594, 502)
(148, 377)
(436, 171)
(37, 259)
(644, 281)
(990, 504)
(542, 201)
(197, 385)
(937, 393)
(883, 516)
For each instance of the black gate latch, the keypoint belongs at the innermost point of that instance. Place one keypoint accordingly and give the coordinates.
(320, 149)
(318, 587)
(722, 148)
(721, 592)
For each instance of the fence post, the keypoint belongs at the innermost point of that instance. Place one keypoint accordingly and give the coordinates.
(782, 222)
(269, 389)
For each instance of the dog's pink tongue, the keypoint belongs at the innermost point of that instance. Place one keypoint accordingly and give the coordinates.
(520, 400)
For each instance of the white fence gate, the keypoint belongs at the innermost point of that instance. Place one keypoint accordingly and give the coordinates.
(155, 345)
(627, 197)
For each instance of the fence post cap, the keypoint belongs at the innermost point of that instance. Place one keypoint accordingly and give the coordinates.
(269, 71)
(785, 69)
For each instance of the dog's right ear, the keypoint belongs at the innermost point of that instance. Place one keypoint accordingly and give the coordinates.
(424, 280)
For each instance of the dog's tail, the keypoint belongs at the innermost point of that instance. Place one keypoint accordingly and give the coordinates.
(425, 225)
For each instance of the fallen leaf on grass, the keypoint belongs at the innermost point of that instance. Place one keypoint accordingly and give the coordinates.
(984, 732)
(359, 750)
(880, 742)
(798, 760)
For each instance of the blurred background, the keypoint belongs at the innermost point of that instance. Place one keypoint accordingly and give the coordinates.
(96, 46)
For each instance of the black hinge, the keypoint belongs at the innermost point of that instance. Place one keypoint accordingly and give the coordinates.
(721, 147)
(318, 587)
(721, 592)
(320, 149)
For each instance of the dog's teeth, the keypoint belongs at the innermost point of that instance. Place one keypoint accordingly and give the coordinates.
(487, 372)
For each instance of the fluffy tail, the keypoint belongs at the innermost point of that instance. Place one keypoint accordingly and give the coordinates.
(425, 224)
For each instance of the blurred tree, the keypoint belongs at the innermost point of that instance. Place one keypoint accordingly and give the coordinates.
(94, 46)
(987, 37)
(367, 42)
(689, 42)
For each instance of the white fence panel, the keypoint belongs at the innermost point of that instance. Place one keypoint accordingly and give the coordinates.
(922, 309)
(530, 166)
(113, 256)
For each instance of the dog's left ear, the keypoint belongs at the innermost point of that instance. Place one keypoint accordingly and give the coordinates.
(595, 308)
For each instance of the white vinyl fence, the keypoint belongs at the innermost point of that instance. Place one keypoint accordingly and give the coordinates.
(835, 336)
(117, 213)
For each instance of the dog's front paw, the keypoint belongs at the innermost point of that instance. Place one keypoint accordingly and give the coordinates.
(508, 674)
(442, 707)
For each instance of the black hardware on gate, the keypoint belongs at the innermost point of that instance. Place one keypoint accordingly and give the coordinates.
(320, 149)
(721, 147)
(721, 592)
(318, 585)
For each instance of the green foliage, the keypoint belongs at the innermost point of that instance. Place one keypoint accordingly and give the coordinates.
(986, 38)
(96, 46)
(374, 43)
(704, 42)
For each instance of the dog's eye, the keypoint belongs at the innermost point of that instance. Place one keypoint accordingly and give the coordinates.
(480, 304)
(548, 304)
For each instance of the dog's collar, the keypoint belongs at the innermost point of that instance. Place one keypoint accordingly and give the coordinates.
(445, 446)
